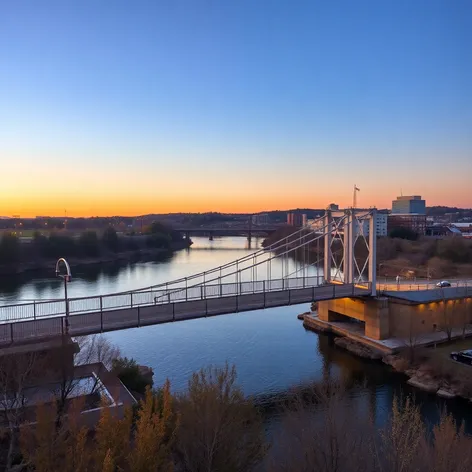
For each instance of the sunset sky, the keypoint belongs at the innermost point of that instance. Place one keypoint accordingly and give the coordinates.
(149, 106)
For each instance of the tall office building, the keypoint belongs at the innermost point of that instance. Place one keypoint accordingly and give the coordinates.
(409, 205)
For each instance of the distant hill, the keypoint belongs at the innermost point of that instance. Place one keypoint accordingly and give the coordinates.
(442, 210)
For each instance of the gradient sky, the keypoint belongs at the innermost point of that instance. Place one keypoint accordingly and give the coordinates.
(132, 107)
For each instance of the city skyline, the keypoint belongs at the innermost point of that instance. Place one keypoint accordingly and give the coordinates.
(157, 107)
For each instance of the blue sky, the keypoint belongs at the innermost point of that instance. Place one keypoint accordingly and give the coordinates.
(136, 106)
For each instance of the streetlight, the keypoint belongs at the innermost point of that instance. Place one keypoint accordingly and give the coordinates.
(67, 278)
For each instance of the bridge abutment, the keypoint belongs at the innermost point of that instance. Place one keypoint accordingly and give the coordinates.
(373, 312)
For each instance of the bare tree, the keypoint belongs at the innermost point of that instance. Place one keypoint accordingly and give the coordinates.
(466, 315)
(16, 376)
(220, 430)
(96, 348)
(413, 338)
(65, 380)
(447, 321)
(451, 448)
(322, 431)
(403, 446)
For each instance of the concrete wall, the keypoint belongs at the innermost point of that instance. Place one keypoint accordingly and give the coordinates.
(429, 317)
(385, 318)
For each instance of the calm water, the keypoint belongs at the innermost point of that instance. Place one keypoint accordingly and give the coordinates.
(272, 351)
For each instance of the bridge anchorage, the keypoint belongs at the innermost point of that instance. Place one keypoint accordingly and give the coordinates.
(332, 257)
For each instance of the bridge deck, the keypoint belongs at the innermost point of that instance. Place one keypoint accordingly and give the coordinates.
(103, 320)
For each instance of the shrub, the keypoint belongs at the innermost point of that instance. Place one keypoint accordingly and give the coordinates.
(127, 370)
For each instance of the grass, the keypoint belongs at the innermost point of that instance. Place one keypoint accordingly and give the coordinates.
(445, 349)
(441, 356)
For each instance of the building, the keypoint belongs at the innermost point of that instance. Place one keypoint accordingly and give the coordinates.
(413, 222)
(442, 231)
(333, 207)
(296, 219)
(406, 205)
(381, 222)
(261, 219)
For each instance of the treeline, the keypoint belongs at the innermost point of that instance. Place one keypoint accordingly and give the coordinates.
(88, 244)
(435, 258)
(213, 427)
(74, 224)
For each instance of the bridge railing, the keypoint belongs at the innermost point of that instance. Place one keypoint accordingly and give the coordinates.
(99, 303)
(465, 286)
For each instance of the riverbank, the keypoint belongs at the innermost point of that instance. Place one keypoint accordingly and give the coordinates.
(141, 255)
(427, 367)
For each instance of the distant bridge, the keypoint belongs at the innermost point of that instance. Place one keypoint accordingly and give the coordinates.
(248, 283)
(236, 230)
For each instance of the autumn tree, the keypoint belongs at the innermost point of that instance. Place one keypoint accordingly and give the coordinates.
(155, 431)
(220, 429)
(112, 437)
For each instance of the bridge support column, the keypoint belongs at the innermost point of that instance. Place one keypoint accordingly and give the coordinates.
(349, 237)
(211, 236)
(373, 252)
(328, 235)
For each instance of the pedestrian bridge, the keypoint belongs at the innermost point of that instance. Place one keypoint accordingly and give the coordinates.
(249, 283)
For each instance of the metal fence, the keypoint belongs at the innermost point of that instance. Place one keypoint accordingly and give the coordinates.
(418, 285)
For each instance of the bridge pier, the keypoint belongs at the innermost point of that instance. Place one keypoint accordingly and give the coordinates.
(374, 312)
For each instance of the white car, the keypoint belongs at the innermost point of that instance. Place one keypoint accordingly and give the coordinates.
(443, 283)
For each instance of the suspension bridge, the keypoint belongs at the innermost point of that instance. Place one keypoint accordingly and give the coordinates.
(313, 263)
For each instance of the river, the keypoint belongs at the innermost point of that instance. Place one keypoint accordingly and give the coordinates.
(272, 351)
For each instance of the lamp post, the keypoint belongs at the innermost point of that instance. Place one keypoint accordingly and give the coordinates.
(67, 278)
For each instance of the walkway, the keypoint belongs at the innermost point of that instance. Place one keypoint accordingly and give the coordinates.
(102, 320)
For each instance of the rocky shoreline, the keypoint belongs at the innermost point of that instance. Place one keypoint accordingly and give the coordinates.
(425, 373)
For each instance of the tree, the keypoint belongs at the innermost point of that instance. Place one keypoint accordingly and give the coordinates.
(159, 240)
(220, 429)
(447, 314)
(451, 449)
(62, 371)
(16, 374)
(127, 370)
(112, 438)
(61, 246)
(336, 438)
(402, 447)
(403, 233)
(88, 243)
(110, 239)
(155, 432)
(9, 249)
(414, 336)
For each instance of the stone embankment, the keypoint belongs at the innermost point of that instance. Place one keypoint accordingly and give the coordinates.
(357, 348)
(425, 376)
(426, 373)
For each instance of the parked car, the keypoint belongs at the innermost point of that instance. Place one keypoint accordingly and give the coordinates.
(462, 356)
(443, 283)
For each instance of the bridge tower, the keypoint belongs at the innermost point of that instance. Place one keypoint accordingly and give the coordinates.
(347, 232)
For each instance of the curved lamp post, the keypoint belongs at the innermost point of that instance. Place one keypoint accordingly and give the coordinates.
(67, 278)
